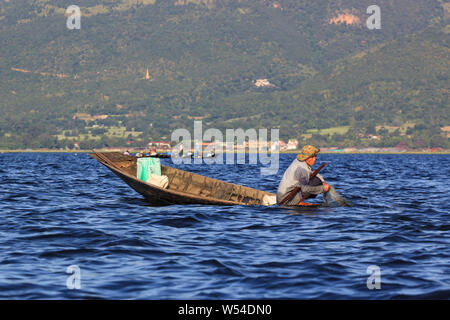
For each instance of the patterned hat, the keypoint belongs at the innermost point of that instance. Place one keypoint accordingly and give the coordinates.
(307, 152)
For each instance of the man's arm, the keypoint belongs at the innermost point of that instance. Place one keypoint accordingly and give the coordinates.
(326, 187)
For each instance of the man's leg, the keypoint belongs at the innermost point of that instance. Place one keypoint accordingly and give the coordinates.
(314, 182)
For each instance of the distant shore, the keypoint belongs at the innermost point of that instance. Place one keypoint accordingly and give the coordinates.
(281, 152)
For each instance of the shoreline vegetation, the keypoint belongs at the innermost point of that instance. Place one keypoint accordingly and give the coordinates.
(288, 65)
(132, 151)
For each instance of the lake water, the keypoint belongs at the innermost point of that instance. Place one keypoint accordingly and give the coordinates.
(60, 210)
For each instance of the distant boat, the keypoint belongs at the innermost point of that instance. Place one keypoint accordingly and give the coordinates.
(184, 187)
(157, 155)
(202, 156)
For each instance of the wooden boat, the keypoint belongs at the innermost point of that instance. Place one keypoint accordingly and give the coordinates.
(184, 187)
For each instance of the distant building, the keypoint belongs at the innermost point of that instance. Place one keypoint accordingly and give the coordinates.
(219, 144)
(87, 117)
(252, 144)
(263, 83)
(292, 144)
(159, 144)
(279, 145)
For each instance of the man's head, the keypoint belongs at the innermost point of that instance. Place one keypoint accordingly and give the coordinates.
(308, 154)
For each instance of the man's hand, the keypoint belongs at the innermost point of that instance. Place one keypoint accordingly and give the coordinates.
(326, 187)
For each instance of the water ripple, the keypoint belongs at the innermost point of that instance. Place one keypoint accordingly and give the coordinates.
(59, 210)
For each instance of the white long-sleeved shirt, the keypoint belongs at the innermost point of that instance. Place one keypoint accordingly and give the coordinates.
(297, 175)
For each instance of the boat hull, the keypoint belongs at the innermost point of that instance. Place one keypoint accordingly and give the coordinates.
(197, 190)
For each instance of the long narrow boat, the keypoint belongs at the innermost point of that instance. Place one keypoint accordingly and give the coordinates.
(184, 187)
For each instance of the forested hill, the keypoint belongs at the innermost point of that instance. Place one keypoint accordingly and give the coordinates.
(325, 70)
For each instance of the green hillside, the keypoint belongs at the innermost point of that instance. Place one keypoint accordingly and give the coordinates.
(59, 86)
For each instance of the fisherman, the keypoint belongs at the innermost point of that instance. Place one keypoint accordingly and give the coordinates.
(298, 175)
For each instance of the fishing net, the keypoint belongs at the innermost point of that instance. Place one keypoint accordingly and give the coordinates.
(335, 196)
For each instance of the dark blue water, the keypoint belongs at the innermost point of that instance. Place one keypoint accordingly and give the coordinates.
(59, 210)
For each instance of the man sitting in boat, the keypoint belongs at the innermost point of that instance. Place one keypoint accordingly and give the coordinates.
(298, 175)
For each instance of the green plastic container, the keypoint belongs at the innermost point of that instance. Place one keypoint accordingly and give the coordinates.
(148, 166)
